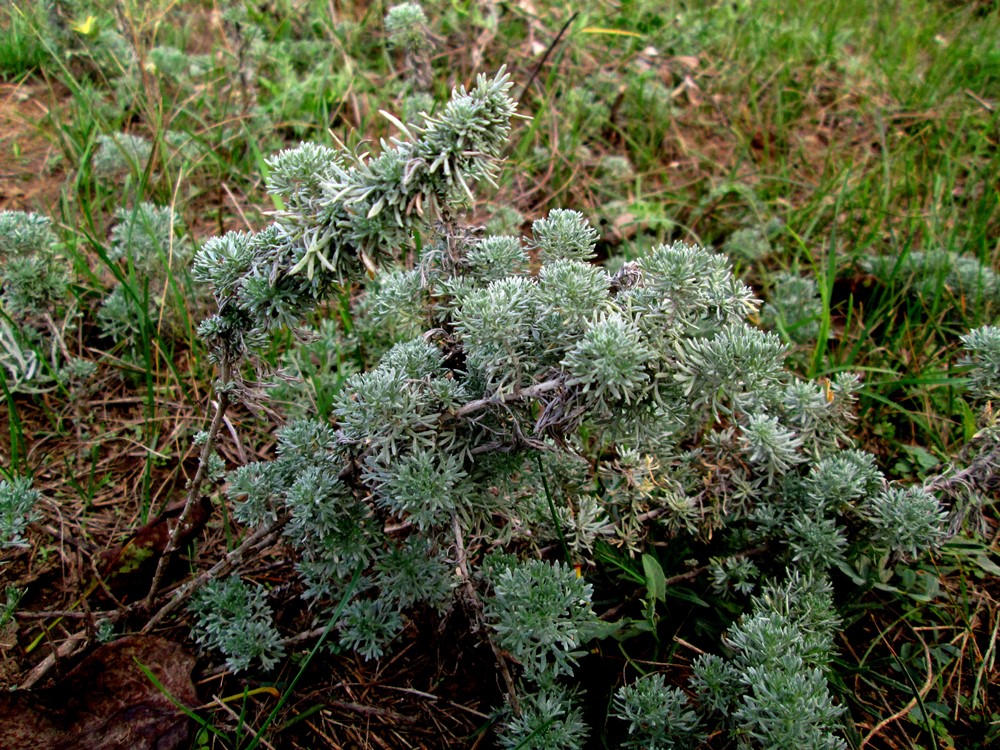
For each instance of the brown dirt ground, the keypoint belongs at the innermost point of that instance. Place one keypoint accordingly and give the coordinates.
(29, 177)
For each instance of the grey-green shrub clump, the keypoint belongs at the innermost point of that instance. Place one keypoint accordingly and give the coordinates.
(541, 613)
(406, 27)
(36, 308)
(907, 520)
(24, 233)
(346, 213)
(233, 617)
(517, 396)
(18, 501)
(933, 272)
(120, 155)
(147, 246)
(659, 717)
(147, 238)
(795, 308)
(550, 719)
(748, 243)
(34, 276)
(773, 689)
(982, 347)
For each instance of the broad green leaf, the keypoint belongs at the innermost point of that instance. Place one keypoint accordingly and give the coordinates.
(656, 581)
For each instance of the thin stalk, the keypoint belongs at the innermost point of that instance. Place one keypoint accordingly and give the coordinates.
(477, 605)
(552, 510)
(258, 538)
(194, 488)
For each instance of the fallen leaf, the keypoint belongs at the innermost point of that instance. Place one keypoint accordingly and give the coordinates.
(127, 570)
(690, 63)
(107, 702)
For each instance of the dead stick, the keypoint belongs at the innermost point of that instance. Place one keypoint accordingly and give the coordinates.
(534, 73)
(66, 649)
(194, 490)
(525, 393)
(463, 571)
(258, 538)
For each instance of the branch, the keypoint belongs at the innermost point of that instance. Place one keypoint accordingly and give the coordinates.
(521, 395)
(66, 649)
(194, 489)
(548, 51)
(477, 605)
(259, 539)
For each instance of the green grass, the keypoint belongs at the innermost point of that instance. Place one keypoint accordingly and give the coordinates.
(21, 49)
(846, 129)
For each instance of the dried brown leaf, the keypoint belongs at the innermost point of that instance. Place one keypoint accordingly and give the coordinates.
(107, 702)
